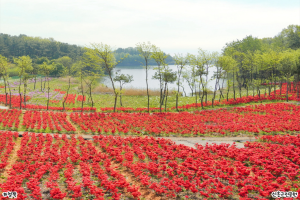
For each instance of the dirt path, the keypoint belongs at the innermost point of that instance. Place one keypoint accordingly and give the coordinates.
(78, 133)
(11, 160)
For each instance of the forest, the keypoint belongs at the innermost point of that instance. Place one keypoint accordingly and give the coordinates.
(37, 47)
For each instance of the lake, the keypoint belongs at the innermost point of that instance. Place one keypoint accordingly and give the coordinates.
(139, 79)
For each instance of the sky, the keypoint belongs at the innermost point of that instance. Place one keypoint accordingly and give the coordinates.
(175, 26)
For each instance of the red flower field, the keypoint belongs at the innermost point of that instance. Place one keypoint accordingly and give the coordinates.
(70, 168)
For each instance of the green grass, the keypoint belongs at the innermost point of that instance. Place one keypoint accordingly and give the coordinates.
(107, 100)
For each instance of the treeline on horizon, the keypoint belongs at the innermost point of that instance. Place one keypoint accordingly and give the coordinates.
(36, 47)
(62, 54)
(247, 63)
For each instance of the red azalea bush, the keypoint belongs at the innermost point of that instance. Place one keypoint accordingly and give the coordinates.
(40, 121)
(213, 171)
(15, 100)
(80, 98)
(170, 170)
(70, 98)
(43, 160)
(255, 118)
(10, 118)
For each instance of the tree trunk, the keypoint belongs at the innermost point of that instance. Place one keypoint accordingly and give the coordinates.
(147, 85)
(160, 102)
(164, 93)
(160, 87)
(25, 86)
(34, 82)
(183, 91)
(287, 89)
(82, 93)
(48, 95)
(4, 79)
(20, 94)
(275, 87)
(196, 95)
(116, 97)
(298, 86)
(9, 94)
(67, 93)
(120, 95)
(166, 99)
(91, 95)
(233, 87)
(45, 83)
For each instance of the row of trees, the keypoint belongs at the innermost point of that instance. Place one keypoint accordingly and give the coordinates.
(248, 69)
(244, 64)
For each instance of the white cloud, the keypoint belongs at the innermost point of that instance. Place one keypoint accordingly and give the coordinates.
(176, 25)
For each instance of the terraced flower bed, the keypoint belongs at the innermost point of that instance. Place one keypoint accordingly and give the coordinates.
(113, 167)
(263, 119)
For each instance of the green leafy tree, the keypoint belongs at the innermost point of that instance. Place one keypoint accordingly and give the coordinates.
(160, 59)
(122, 79)
(4, 64)
(145, 50)
(227, 63)
(272, 61)
(291, 35)
(168, 76)
(91, 82)
(180, 61)
(104, 54)
(189, 75)
(288, 66)
(47, 69)
(24, 64)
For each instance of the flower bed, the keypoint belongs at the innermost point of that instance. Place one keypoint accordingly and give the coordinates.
(213, 171)
(60, 168)
(255, 118)
(10, 118)
(39, 121)
(74, 168)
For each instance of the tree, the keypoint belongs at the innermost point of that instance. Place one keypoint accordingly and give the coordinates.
(160, 59)
(122, 79)
(168, 77)
(180, 62)
(292, 36)
(90, 81)
(69, 71)
(104, 54)
(38, 69)
(227, 63)
(24, 64)
(272, 60)
(79, 68)
(47, 69)
(221, 64)
(196, 63)
(288, 66)
(145, 50)
(3, 73)
(189, 75)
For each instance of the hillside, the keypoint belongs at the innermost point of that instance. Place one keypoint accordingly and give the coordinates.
(35, 47)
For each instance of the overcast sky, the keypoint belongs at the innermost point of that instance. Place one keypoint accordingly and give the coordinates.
(176, 26)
